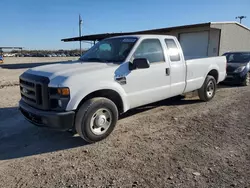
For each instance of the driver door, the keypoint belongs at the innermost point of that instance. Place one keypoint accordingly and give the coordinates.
(144, 86)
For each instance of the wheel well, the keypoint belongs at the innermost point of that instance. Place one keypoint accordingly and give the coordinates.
(215, 74)
(107, 93)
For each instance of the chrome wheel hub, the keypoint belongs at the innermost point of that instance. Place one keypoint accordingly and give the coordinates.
(100, 121)
(210, 89)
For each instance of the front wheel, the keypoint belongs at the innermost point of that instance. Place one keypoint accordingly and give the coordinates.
(208, 89)
(96, 119)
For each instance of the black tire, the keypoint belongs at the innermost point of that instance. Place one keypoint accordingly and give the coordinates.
(84, 119)
(247, 80)
(204, 93)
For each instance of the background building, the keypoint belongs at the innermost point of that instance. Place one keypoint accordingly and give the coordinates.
(198, 40)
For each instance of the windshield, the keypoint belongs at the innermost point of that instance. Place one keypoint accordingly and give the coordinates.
(238, 57)
(113, 50)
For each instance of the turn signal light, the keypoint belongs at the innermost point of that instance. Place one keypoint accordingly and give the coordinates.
(63, 91)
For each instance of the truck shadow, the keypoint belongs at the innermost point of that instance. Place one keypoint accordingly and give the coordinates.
(174, 101)
(179, 100)
(228, 86)
(19, 138)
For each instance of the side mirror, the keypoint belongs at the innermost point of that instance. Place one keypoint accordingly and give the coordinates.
(139, 63)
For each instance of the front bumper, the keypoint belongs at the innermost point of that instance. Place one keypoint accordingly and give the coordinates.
(235, 78)
(55, 120)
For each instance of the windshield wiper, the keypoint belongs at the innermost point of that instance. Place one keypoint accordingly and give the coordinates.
(95, 59)
(92, 59)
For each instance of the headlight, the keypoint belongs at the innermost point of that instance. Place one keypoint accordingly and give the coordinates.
(59, 98)
(240, 69)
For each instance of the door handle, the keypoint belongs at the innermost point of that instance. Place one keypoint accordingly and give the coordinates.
(167, 71)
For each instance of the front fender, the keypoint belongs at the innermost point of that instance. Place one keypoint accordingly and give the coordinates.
(84, 91)
(246, 71)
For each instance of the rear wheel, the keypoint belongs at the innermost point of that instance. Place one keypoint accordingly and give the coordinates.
(207, 91)
(247, 80)
(96, 119)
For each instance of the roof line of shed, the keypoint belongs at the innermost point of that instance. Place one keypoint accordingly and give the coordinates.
(151, 31)
(105, 35)
(231, 22)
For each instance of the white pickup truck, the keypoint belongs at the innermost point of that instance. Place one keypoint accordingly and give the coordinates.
(115, 75)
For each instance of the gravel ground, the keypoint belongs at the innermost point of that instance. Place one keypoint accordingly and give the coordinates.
(173, 143)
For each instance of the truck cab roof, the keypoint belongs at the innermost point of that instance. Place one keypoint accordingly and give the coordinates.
(144, 36)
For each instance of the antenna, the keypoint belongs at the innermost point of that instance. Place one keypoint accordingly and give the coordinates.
(240, 17)
(80, 33)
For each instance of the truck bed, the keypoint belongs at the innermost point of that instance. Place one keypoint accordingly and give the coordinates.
(197, 70)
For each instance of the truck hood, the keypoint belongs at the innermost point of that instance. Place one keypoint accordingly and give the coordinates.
(68, 69)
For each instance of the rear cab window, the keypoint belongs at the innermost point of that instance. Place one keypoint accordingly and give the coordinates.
(173, 50)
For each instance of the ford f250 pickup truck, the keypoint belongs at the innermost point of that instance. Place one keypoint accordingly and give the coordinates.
(115, 75)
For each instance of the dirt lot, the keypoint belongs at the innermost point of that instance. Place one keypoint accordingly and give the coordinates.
(14, 66)
(173, 143)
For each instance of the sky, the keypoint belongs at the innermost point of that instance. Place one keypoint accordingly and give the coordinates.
(41, 24)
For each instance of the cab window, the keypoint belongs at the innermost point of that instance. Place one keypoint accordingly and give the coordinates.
(150, 49)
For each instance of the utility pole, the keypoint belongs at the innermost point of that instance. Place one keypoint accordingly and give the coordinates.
(80, 32)
(240, 17)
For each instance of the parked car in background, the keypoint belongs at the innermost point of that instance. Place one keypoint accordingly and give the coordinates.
(1, 59)
(40, 55)
(9, 55)
(115, 75)
(238, 68)
(19, 55)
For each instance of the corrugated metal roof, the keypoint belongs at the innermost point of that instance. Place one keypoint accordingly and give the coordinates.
(152, 31)
(97, 37)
